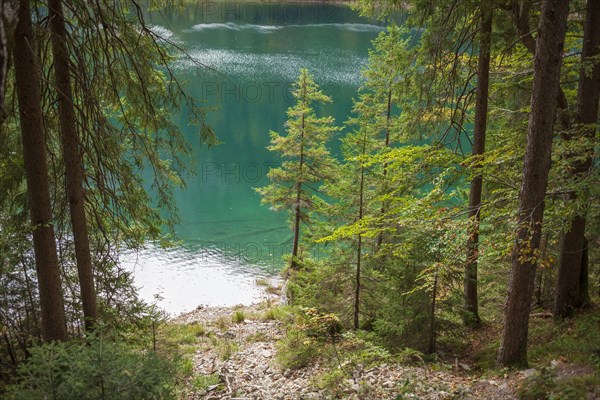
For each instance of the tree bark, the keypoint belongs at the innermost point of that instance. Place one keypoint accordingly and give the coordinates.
(73, 162)
(387, 144)
(3, 65)
(568, 291)
(359, 244)
(298, 212)
(547, 63)
(33, 138)
(471, 317)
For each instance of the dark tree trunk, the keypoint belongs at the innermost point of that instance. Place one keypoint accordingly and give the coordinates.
(387, 144)
(471, 317)
(73, 162)
(359, 244)
(34, 156)
(584, 284)
(298, 210)
(547, 63)
(568, 289)
(3, 65)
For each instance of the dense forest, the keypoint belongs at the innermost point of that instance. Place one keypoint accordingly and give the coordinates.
(456, 210)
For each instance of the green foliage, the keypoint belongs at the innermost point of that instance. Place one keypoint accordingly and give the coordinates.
(306, 161)
(545, 385)
(279, 313)
(307, 338)
(537, 386)
(226, 348)
(203, 382)
(93, 369)
(576, 340)
(297, 350)
(359, 349)
(332, 382)
(238, 316)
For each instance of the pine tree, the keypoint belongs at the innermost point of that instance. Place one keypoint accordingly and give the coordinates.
(73, 162)
(471, 317)
(571, 291)
(306, 161)
(548, 57)
(36, 168)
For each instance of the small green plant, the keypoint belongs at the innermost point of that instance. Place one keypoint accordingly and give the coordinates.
(222, 323)
(226, 349)
(238, 316)
(278, 313)
(296, 350)
(257, 337)
(538, 386)
(203, 382)
(186, 366)
(576, 387)
(332, 382)
(410, 356)
(262, 282)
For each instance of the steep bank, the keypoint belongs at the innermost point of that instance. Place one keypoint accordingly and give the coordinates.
(236, 360)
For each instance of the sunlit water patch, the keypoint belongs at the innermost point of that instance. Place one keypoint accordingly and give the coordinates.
(339, 67)
(268, 29)
(180, 280)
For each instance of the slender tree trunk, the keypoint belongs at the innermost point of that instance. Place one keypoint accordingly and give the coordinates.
(73, 162)
(3, 65)
(572, 245)
(538, 287)
(298, 212)
(359, 244)
(471, 317)
(432, 333)
(547, 63)
(584, 284)
(34, 156)
(387, 143)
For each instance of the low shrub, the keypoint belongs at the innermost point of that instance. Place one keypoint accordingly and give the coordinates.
(91, 369)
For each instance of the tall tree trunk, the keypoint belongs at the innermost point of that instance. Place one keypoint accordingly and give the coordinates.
(584, 284)
(572, 245)
(34, 156)
(387, 144)
(3, 64)
(471, 317)
(73, 162)
(547, 63)
(359, 244)
(298, 211)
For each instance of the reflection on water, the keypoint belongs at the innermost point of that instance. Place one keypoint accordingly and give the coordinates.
(179, 280)
(253, 52)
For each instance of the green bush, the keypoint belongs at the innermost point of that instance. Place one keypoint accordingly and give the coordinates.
(544, 385)
(203, 382)
(93, 369)
(238, 316)
(296, 350)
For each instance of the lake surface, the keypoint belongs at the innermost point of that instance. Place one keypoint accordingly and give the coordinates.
(251, 53)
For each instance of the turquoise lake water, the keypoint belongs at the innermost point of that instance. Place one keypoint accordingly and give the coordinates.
(242, 60)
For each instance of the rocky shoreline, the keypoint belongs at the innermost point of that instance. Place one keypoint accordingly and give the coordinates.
(240, 357)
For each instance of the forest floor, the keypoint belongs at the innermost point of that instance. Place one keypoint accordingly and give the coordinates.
(234, 357)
